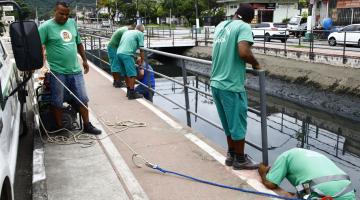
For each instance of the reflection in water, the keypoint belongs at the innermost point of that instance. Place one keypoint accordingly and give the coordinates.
(289, 126)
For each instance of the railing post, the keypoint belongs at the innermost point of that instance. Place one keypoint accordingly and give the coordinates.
(99, 52)
(285, 41)
(311, 45)
(337, 141)
(196, 36)
(264, 42)
(264, 138)
(173, 38)
(85, 43)
(192, 33)
(344, 58)
(186, 92)
(196, 94)
(150, 92)
(92, 44)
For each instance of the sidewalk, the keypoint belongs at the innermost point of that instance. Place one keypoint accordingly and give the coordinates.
(106, 170)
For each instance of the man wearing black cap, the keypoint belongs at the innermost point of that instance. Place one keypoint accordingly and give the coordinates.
(231, 51)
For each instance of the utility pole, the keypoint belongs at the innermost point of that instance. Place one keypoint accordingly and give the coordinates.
(138, 20)
(197, 14)
(171, 5)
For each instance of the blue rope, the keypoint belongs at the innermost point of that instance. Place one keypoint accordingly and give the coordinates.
(223, 186)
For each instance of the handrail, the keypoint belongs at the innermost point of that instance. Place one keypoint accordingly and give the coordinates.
(261, 73)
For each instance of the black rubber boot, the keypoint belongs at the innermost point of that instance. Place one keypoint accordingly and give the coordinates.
(230, 158)
(244, 162)
(90, 129)
(134, 95)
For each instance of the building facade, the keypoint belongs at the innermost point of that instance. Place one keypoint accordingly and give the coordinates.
(345, 12)
(265, 10)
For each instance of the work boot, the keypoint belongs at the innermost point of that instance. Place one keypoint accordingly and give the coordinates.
(244, 162)
(134, 95)
(229, 158)
(118, 84)
(90, 129)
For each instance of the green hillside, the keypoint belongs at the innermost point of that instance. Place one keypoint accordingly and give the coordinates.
(45, 7)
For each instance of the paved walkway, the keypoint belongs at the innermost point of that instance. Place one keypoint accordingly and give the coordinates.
(106, 171)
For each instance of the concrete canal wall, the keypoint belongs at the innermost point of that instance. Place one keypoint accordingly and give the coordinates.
(337, 79)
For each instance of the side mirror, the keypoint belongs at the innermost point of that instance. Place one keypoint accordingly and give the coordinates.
(26, 45)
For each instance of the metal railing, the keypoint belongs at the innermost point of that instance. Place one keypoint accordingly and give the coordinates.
(294, 40)
(94, 40)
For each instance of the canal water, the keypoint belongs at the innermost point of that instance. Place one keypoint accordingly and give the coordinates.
(289, 125)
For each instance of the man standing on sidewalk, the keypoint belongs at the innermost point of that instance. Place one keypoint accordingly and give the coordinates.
(61, 40)
(231, 51)
(131, 41)
(112, 48)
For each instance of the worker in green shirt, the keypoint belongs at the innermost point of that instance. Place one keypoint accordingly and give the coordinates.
(130, 42)
(313, 174)
(231, 51)
(61, 42)
(112, 48)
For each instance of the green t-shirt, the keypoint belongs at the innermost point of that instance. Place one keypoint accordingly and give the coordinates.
(228, 69)
(61, 45)
(130, 41)
(301, 165)
(116, 37)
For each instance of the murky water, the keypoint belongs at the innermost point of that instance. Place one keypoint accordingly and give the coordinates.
(289, 125)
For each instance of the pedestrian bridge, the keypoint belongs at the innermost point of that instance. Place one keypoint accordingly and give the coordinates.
(154, 38)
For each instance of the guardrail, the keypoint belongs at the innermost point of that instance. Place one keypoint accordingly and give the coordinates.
(96, 54)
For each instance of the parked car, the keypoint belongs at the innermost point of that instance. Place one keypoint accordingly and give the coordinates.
(269, 31)
(297, 26)
(105, 24)
(352, 33)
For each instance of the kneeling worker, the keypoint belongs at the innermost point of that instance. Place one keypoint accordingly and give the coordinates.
(145, 73)
(313, 174)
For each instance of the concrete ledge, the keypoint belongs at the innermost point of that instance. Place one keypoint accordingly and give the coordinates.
(330, 59)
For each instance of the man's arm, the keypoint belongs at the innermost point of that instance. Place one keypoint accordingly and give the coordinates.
(245, 53)
(263, 170)
(44, 54)
(142, 56)
(81, 51)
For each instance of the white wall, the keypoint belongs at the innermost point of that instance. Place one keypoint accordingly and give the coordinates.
(323, 11)
(231, 8)
(283, 11)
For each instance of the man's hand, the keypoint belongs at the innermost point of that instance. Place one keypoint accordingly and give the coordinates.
(256, 66)
(263, 170)
(86, 67)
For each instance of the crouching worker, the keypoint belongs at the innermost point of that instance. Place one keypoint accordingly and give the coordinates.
(112, 48)
(130, 42)
(314, 175)
(60, 38)
(146, 77)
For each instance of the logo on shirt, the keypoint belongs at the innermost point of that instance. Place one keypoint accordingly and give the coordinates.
(66, 35)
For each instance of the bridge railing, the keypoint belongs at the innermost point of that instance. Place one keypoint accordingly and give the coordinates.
(96, 53)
